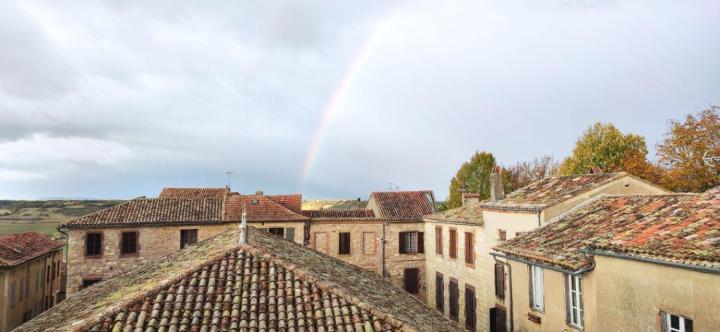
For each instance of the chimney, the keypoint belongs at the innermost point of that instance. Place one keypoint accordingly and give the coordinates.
(497, 190)
(259, 192)
(470, 199)
(243, 228)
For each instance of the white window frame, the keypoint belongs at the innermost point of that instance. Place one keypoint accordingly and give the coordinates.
(575, 308)
(537, 296)
(681, 320)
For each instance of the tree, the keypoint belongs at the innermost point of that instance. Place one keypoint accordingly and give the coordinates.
(523, 173)
(682, 150)
(473, 176)
(604, 147)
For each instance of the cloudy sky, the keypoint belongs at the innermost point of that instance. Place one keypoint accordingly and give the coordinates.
(116, 99)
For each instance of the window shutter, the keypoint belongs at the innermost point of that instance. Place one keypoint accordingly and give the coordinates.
(290, 234)
(403, 245)
(499, 280)
(688, 325)
(421, 243)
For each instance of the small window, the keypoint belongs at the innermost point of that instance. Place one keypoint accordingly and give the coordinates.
(453, 243)
(129, 243)
(675, 323)
(93, 244)
(89, 282)
(438, 240)
(279, 231)
(411, 280)
(344, 243)
(469, 246)
(439, 292)
(470, 307)
(574, 293)
(411, 243)
(188, 237)
(502, 234)
(537, 300)
(454, 299)
(499, 280)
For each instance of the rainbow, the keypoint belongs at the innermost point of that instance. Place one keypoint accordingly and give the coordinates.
(332, 107)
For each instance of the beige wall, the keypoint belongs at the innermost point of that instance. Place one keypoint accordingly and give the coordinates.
(42, 294)
(365, 242)
(298, 226)
(395, 262)
(473, 275)
(637, 291)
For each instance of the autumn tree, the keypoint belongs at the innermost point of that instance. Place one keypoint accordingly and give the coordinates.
(603, 147)
(683, 148)
(473, 176)
(523, 173)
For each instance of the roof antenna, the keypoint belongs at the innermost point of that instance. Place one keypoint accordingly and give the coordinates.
(243, 227)
(229, 174)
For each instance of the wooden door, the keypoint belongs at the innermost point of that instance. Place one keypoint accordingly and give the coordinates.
(411, 279)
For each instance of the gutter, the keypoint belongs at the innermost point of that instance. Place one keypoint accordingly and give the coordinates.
(546, 266)
(608, 253)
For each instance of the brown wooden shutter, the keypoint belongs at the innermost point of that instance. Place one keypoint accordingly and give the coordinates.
(453, 243)
(499, 280)
(401, 241)
(421, 243)
(469, 253)
(438, 240)
(439, 292)
(500, 319)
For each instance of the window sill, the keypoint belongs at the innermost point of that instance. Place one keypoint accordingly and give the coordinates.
(538, 310)
(135, 255)
(577, 328)
(469, 265)
(93, 256)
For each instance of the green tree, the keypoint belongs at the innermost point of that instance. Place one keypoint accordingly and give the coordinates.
(603, 147)
(681, 153)
(473, 176)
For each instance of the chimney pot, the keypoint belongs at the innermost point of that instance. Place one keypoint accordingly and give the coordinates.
(497, 190)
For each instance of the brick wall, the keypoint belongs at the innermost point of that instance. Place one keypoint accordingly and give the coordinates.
(396, 263)
(365, 248)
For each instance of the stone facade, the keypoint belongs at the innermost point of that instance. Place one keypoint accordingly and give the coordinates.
(36, 286)
(396, 262)
(365, 240)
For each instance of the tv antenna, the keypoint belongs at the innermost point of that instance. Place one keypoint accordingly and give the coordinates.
(393, 187)
(229, 174)
(712, 161)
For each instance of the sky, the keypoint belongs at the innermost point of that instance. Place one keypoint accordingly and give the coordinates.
(331, 99)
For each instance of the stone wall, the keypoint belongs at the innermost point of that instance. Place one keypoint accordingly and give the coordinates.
(42, 291)
(365, 241)
(396, 263)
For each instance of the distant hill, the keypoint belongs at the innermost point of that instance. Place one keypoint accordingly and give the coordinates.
(44, 216)
(333, 204)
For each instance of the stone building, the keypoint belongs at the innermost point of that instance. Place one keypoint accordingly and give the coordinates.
(264, 283)
(30, 265)
(617, 263)
(120, 238)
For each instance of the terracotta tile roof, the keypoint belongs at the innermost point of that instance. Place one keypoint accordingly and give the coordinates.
(403, 205)
(469, 214)
(677, 228)
(550, 191)
(259, 208)
(292, 202)
(340, 215)
(18, 248)
(193, 192)
(155, 211)
(219, 285)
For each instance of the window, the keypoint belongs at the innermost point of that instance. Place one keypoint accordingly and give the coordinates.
(537, 300)
(469, 252)
(89, 282)
(290, 234)
(675, 323)
(188, 237)
(499, 280)
(279, 231)
(454, 305)
(502, 234)
(93, 245)
(470, 307)
(129, 243)
(439, 292)
(498, 319)
(412, 243)
(438, 240)
(411, 280)
(344, 243)
(575, 300)
(369, 243)
(453, 243)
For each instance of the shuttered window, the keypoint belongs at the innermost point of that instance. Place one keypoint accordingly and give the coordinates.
(411, 242)
(129, 243)
(93, 244)
(470, 308)
(453, 243)
(344, 243)
(188, 237)
(421, 243)
(454, 301)
(469, 245)
(279, 231)
(675, 323)
(499, 280)
(439, 292)
(411, 280)
(438, 240)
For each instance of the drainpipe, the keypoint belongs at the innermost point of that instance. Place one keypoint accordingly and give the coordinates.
(538, 215)
(382, 242)
(510, 293)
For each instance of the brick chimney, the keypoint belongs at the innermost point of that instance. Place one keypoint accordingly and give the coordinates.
(497, 190)
(470, 199)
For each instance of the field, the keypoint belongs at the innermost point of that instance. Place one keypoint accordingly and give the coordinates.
(333, 204)
(45, 216)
